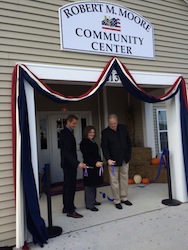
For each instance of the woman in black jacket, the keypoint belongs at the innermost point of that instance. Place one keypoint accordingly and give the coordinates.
(93, 176)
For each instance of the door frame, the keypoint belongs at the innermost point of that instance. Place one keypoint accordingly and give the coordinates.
(49, 115)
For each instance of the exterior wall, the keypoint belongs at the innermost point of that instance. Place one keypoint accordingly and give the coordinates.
(30, 33)
(33, 35)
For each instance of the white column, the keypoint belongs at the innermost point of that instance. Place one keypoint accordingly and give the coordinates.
(105, 106)
(29, 91)
(99, 112)
(20, 206)
(148, 124)
(179, 189)
(32, 129)
(22, 233)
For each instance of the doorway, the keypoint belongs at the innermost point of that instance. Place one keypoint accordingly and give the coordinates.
(49, 125)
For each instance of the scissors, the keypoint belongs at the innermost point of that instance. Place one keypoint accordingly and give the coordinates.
(89, 167)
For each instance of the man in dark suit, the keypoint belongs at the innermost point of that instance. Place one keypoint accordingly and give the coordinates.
(116, 147)
(69, 163)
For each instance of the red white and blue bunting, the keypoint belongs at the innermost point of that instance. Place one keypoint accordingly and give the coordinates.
(22, 164)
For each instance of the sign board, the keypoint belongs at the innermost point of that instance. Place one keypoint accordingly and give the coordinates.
(105, 28)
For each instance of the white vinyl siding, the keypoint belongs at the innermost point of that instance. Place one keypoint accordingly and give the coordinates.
(7, 204)
(30, 33)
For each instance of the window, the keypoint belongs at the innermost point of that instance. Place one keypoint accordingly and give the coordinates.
(162, 129)
(60, 123)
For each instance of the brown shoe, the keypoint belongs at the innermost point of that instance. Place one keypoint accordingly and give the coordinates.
(74, 215)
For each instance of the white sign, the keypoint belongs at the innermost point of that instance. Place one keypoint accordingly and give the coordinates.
(105, 28)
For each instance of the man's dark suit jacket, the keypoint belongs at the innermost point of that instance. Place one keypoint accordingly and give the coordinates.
(68, 149)
(116, 145)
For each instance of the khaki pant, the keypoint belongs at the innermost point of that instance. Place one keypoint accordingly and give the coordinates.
(119, 182)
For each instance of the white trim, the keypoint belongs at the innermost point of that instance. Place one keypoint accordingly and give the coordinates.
(148, 127)
(19, 183)
(179, 189)
(85, 74)
(32, 130)
(105, 106)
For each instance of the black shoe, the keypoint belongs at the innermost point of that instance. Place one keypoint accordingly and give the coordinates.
(128, 203)
(118, 206)
(64, 210)
(94, 209)
(74, 215)
(97, 203)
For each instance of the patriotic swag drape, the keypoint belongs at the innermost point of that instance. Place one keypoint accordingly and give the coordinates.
(22, 163)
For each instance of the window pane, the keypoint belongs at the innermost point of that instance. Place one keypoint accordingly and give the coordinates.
(162, 129)
(163, 140)
(60, 123)
(162, 120)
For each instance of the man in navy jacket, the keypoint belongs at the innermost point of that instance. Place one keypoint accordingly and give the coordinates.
(116, 147)
(69, 163)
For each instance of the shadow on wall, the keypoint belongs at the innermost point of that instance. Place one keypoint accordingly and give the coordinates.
(7, 248)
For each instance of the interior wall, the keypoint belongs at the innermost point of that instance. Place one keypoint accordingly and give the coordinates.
(138, 123)
(90, 104)
(129, 112)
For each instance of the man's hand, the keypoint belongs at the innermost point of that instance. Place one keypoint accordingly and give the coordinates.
(111, 162)
(81, 165)
(99, 164)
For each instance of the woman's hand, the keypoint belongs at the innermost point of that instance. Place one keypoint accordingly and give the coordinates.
(99, 164)
(81, 165)
(111, 162)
